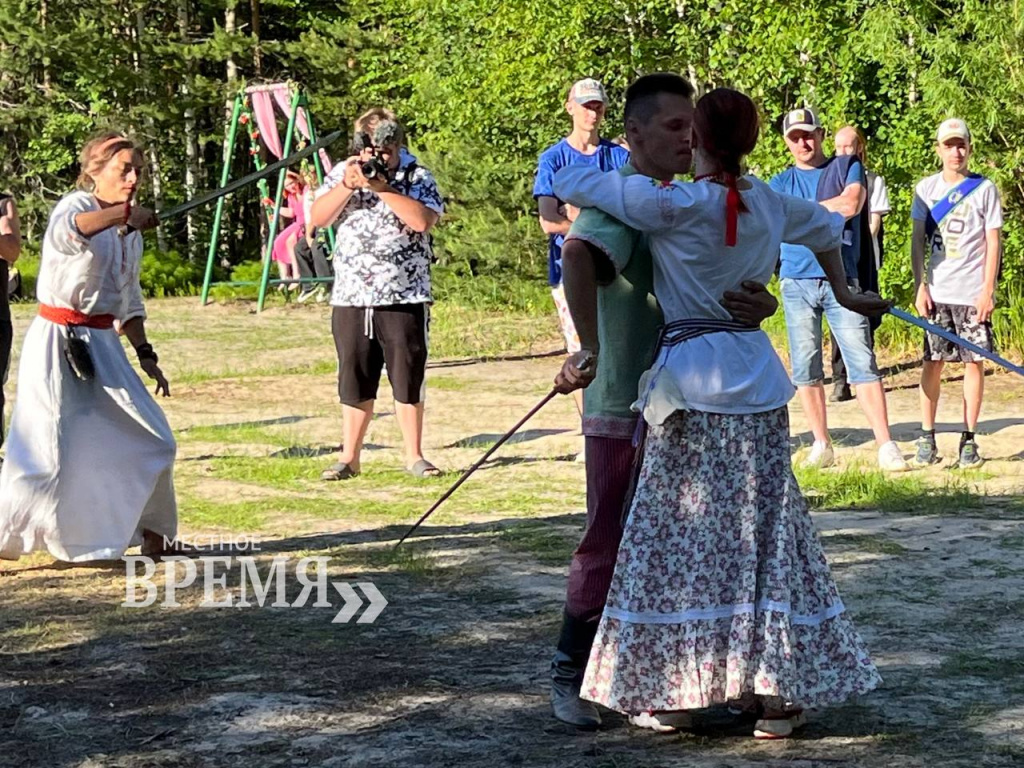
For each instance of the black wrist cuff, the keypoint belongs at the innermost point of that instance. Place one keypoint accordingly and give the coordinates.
(145, 352)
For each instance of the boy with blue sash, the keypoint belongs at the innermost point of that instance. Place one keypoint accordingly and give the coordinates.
(957, 217)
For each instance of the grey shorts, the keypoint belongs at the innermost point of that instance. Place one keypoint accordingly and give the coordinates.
(961, 320)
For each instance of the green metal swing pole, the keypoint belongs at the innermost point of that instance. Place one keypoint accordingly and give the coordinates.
(318, 164)
(224, 177)
(267, 257)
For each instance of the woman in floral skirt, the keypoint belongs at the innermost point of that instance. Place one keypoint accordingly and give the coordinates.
(721, 590)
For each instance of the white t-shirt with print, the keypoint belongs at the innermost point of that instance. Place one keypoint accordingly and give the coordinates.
(378, 259)
(956, 266)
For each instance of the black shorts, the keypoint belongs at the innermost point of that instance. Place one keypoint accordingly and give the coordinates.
(961, 320)
(367, 337)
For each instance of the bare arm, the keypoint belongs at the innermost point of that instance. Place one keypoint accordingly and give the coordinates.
(849, 203)
(986, 301)
(413, 213)
(135, 331)
(869, 304)
(10, 232)
(918, 252)
(918, 261)
(551, 221)
(579, 278)
(328, 207)
(93, 222)
(875, 224)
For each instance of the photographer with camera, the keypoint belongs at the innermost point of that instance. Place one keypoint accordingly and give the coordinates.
(383, 204)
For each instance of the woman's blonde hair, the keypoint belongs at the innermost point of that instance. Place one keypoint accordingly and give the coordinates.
(98, 151)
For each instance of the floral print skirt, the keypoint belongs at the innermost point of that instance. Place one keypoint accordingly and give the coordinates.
(721, 587)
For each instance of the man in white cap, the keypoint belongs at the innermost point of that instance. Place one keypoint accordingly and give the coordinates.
(837, 183)
(586, 103)
(955, 253)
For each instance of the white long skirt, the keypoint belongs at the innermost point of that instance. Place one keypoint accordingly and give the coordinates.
(89, 463)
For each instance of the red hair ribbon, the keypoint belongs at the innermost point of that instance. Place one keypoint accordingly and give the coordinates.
(732, 203)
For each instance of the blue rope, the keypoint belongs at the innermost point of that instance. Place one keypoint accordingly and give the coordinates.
(924, 324)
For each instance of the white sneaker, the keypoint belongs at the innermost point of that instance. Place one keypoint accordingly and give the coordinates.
(820, 457)
(666, 722)
(890, 458)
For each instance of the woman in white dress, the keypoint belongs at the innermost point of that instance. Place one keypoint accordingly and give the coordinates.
(721, 589)
(89, 460)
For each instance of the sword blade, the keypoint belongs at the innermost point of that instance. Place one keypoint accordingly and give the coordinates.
(476, 466)
(227, 189)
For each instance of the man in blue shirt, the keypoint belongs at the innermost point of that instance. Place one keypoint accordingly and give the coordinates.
(838, 183)
(586, 104)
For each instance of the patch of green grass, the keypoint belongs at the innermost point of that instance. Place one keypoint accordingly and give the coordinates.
(547, 545)
(238, 434)
(860, 487)
(191, 377)
(266, 470)
(234, 516)
(874, 544)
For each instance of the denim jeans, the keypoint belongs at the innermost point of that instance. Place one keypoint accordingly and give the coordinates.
(805, 302)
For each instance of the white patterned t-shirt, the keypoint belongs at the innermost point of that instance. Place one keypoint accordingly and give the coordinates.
(378, 260)
(956, 263)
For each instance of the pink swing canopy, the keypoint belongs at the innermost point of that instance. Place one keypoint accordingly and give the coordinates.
(263, 100)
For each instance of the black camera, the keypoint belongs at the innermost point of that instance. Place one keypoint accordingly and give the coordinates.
(374, 168)
(387, 132)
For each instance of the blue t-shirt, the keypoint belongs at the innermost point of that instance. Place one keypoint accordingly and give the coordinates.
(798, 261)
(609, 157)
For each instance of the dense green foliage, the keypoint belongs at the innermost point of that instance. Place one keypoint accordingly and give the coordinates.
(480, 86)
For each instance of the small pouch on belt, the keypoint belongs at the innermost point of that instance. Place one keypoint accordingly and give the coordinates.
(76, 352)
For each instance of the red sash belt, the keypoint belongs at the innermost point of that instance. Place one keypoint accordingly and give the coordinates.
(74, 317)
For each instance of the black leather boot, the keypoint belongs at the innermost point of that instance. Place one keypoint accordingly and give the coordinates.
(567, 670)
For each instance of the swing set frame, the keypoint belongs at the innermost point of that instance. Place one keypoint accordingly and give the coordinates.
(242, 109)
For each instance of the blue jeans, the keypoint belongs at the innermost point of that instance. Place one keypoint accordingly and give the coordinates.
(805, 302)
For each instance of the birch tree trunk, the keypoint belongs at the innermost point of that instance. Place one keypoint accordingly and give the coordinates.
(151, 150)
(191, 148)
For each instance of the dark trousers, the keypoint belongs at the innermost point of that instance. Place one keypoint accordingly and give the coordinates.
(312, 262)
(609, 465)
(609, 477)
(6, 342)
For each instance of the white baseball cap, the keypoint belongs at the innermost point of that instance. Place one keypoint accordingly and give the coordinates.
(953, 128)
(587, 90)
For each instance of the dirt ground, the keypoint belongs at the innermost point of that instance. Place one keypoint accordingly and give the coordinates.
(453, 672)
